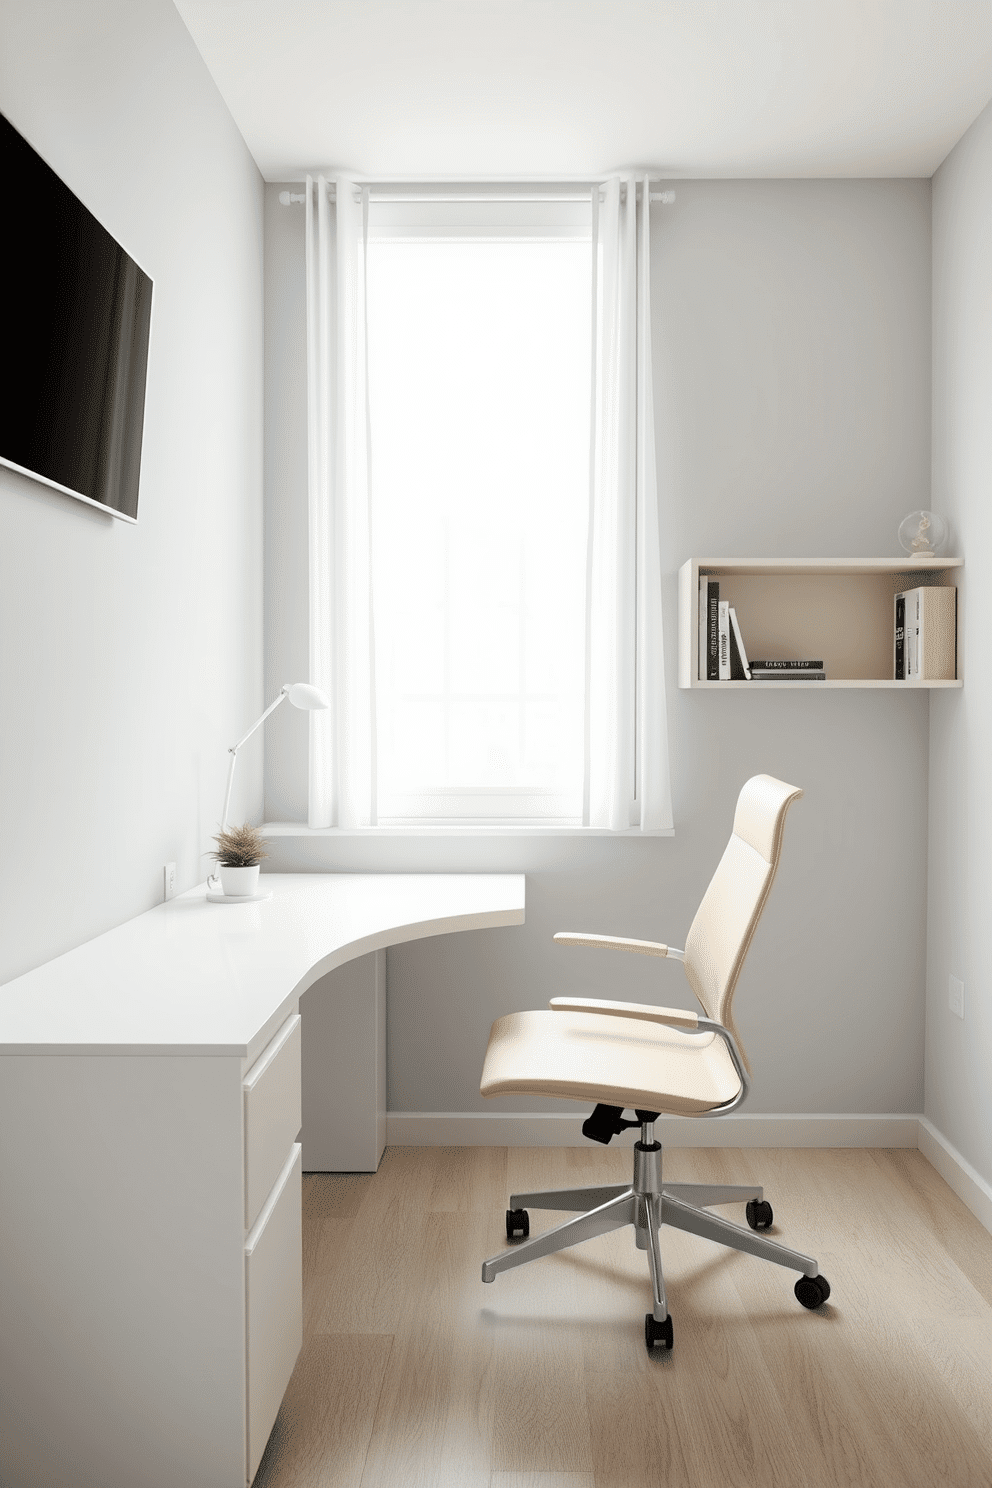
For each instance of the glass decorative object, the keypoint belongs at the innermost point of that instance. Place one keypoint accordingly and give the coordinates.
(922, 534)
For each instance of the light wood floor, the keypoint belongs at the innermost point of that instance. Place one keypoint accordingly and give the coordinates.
(415, 1375)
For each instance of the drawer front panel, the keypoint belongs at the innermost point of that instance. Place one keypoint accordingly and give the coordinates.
(274, 1303)
(273, 1114)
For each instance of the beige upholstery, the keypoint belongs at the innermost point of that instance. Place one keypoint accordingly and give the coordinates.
(619, 1059)
(725, 921)
(676, 1017)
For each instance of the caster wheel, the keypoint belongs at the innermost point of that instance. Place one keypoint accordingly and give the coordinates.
(657, 1335)
(517, 1224)
(812, 1291)
(759, 1214)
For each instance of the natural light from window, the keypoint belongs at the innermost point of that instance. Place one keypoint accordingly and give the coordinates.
(479, 376)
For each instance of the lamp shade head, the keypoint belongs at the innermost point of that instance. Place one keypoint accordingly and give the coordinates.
(302, 695)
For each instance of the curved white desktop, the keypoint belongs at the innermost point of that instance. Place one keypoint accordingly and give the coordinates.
(150, 1294)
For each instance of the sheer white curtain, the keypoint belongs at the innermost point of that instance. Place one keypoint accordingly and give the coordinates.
(342, 654)
(627, 766)
(626, 746)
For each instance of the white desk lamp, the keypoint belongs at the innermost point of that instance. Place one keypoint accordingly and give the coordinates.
(301, 695)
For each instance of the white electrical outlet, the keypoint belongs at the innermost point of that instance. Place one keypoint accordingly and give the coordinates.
(170, 880)
(955, 995)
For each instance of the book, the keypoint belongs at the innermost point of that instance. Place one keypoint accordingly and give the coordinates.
(740, 671)
(712, 630)
(703, 634)
(899, 656)
(723, 641)
(709, 598)
(778, 675)
(929, 634)
(793, 666)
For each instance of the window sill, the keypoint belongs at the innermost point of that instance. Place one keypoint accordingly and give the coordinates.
(471, 829)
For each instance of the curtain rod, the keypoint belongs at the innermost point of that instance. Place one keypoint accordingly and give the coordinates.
(476, 191)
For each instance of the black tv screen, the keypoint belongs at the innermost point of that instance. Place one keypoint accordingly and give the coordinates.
(75, 317)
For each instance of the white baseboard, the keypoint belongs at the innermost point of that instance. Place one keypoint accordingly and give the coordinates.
(957, 1172)
(541, 1129)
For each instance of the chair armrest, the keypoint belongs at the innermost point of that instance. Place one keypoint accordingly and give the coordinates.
(645, 1011)
(618, 943)
(708, 1025)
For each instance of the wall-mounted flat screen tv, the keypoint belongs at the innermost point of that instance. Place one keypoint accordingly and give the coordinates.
(75, 311)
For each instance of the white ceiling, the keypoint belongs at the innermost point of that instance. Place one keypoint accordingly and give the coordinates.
(564, 88)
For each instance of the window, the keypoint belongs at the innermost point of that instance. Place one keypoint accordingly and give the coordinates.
(484, 548)
(479, 396)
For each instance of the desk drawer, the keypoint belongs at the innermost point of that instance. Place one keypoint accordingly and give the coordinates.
(273, 1114)
(274, 1298)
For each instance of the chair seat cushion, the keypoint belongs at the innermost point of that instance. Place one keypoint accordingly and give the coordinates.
(617, 1061)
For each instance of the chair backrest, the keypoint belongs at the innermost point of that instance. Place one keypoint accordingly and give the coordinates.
(725, 921)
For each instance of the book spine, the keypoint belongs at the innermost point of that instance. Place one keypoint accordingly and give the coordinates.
(911, 639)
(723, 628)
(737, 650)
(899, 661)
(703, 644)
(713, 631)
(936, 652)
(792, 666)
(758, 676)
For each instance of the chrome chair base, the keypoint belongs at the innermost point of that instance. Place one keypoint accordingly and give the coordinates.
(647, 1204)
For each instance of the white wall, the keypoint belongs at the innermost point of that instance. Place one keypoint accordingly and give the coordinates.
(959, 1054)
(792, 346)
(130, 657)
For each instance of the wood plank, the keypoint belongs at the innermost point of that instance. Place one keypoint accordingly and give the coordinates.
(862, 1380)
(542, 1380)
(466, 1390)
(966, 1242)
(707, 1412)
(542, 1480)
(369, 1262)
(432, 1424)
(324, 1424)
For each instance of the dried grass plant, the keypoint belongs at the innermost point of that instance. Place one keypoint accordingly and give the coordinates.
(240, 847)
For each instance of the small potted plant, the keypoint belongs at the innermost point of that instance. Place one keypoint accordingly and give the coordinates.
(239, 852)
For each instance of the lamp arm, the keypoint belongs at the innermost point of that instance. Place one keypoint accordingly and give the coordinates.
(213, 879)
(227, 794)
(233, 752)
(270, 709)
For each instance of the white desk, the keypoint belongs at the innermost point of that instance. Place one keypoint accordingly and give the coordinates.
(150, 1310)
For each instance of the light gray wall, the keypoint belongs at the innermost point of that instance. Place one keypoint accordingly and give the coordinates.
(130, 657)
(959, 1054)
(792, 360)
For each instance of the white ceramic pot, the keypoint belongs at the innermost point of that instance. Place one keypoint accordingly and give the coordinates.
(237, 882)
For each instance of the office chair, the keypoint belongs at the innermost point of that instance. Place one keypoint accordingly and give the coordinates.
(625, 1055)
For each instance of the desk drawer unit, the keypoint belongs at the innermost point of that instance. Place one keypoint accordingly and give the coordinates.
(274, 1294)
(273, 1114)
(131, 1354)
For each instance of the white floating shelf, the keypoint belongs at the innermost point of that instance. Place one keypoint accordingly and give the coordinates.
(837, 609)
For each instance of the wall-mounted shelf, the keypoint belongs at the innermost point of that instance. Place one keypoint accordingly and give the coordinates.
(840, 609)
